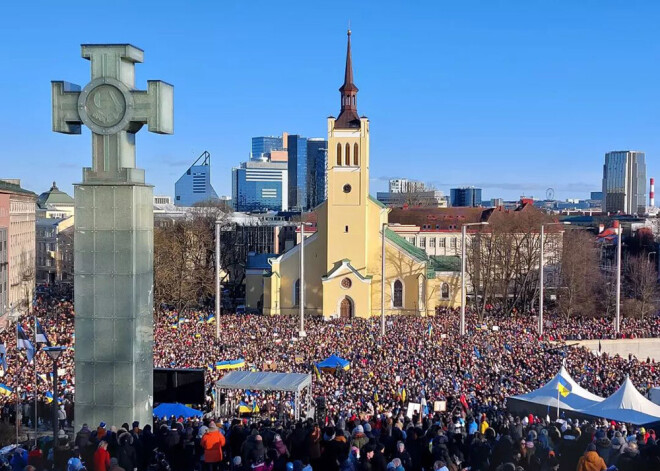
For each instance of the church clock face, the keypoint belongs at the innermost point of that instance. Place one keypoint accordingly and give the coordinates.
(347, 188)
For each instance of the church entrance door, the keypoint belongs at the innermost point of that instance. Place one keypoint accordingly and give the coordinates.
(346, 309)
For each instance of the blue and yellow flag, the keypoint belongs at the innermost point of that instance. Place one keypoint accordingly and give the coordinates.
(5, 390)
(564, 387)
(210, 319)
(430, 330)
(317, 373)
(230, 364)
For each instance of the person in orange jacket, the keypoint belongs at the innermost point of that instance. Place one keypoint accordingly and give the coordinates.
(212, 443)
(591, 460)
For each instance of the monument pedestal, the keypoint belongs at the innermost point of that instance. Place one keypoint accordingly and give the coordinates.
(114, 303)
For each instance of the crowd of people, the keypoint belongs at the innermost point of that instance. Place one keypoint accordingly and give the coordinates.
(419, 360)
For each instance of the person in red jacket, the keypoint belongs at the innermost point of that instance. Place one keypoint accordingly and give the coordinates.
(102, 457)
(212, 443)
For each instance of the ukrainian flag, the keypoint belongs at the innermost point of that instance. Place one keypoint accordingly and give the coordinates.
(564, 387)
(5, 390)
(243, 408)
(317, 373)
(49, 397)
(210, 319)
(430, 330)
(230, 364)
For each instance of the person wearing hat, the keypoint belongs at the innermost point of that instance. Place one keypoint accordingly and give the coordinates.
(617, 443)
(212, 443)
(629, 459)
(591, 461)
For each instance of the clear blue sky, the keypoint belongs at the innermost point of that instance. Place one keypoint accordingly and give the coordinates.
(511, 96)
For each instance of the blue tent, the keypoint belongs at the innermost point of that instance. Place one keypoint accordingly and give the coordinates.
(176, 410)
(333, 362)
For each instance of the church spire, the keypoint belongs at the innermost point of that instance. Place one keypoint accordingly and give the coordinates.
(348, 117)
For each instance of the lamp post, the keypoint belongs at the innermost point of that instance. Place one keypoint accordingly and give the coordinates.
(217, 280)
(463, 234)
(54, 353)
(382, 282)
(301, 292)
(542, 264)
(617, 317)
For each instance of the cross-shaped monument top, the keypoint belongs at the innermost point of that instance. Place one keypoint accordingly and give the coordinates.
(113, 110)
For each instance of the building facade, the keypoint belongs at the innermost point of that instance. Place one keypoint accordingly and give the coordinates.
(404, 185)
(431, 198)
(194, 186)
(467, 196)
(18, 215)
(624, 182)
(54, 203)
(259, 185)
(317, 161)
(262, 146)
(298, 171)
(4, 265)
(342, 258)
(54, 250)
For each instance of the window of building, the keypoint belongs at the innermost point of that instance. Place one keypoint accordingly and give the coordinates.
(397, 295)
(411, 240)
(444, 292)
(442, 242)
(339, 154)
(452, 243)
(422, 242)
(432, 242)
(296, 293)
(347, 157)
(346, 229)
(356, 155)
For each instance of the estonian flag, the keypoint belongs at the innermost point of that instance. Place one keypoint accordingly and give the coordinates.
(564, 387)
(41, 335)
(24, 343)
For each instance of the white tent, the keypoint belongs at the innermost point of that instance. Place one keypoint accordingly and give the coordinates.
(627, 404)
(546, 396)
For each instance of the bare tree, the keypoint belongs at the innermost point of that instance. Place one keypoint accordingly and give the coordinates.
(579, 275)
(641, 282)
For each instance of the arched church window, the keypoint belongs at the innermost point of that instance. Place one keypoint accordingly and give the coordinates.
(339, 154)
(397, 295)
(356, 155)
(347, 157)
(296, 293)
(444, 291)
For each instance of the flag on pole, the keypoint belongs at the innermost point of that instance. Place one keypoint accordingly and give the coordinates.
(5, 390)
(430, 330)
(41, 335)
(564, 387)
(317, 373)
(24, 343)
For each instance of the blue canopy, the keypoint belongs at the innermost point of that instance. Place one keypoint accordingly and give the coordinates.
(333, 362)
(176, 410)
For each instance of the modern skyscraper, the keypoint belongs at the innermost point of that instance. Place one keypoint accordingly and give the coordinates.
(467, 196)
(194, 186)
(624, 182)
(260, 186)
(317, 162)
(262, 146)
(298, 171)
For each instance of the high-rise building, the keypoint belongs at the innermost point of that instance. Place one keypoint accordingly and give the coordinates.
(466, 196)
(298, 171)
(260, 186)
(262, 146)
(403, 185)
(317, 162)
(4, 263)
(624, 182)
(194, 186)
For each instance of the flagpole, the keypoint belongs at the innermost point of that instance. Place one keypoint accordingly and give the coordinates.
(16, 387)
(36, 385)
(558, 401)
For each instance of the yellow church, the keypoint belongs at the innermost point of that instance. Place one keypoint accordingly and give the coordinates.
(342, 259)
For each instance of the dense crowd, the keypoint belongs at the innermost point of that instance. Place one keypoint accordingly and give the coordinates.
(418, 360)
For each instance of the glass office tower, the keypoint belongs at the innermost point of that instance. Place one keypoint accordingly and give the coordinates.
(260, 186)
(194, 186)
(317, 162)
(468, 196)
(263, 145)
(624, 182)
(298, 172)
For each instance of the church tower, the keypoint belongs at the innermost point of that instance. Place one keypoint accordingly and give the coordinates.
(348, 178)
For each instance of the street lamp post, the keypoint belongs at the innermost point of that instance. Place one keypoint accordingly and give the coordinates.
(217, 280)
(617, 318)
(382, 282)
(301, 291)
(463, 234)
(542, 264)
(54, 353)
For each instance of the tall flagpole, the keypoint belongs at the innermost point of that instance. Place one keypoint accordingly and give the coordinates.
(17, 388)
(36, 385)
